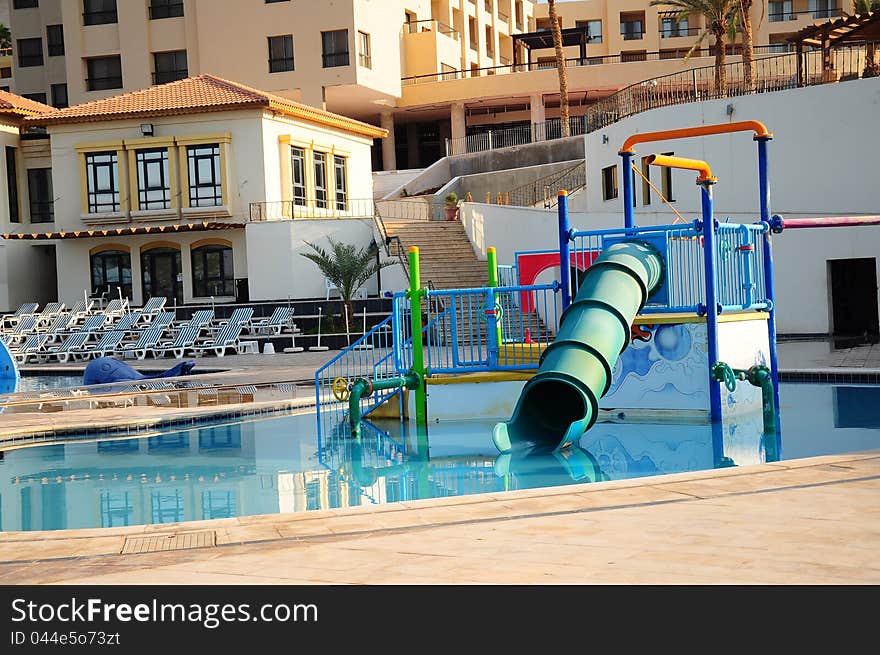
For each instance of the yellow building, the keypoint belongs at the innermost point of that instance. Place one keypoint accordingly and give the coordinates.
(425, 70)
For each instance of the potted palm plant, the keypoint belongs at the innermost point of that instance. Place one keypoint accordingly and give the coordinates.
(451, 205)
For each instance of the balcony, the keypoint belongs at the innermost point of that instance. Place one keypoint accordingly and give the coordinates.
(780, 14)
(104, 83)
(311, 209)
(432, 25)
(675, 32)
(632, 30)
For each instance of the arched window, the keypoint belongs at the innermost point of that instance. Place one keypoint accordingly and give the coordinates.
(162, 274)
(212, 271)
(111, 269)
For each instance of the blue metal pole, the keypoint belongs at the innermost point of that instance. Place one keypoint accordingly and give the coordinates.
(764, 192)
(628, 216)
(564, 250)
(711, 296)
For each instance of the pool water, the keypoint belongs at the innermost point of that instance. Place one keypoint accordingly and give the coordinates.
(279, 465)
(48, 382)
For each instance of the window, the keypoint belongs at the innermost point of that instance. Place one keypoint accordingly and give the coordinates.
(472, 32)
(25, 4)
(30, 52)
(6, 72)
(59, 96)
(12, 184)
(646, 187)
(165, 9)
(102, 182)
(671, 27)
(825, 8)
(490, 42)
(205, 188)
(111, 269)
(593, 27)
(104, 73)
(298, 175)
(631, 30)
(280, 53)
(780, 11)
(169, 66)
(99, 12)
(55, 40)
(212, 271)
(633, 55)
(365, 56)
(269, 2)
(320, 180)
(666, 186)
(153, 180)
(36, 97)
(40, 195)
(334, 46)
(339, 168)
(609, 182)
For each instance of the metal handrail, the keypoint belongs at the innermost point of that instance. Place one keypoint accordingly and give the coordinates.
(529, 195)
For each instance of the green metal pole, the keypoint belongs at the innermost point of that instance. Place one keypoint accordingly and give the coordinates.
(492, 262)
(418, 363)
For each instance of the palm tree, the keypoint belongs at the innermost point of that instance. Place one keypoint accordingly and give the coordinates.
(748, 54)
(865, 6)
(560, 67)
(5, 36)
(722, 18)
(348, 268)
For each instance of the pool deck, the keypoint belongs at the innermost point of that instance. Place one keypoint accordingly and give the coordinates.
(809, 521)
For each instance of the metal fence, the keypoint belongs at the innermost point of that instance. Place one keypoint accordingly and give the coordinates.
(544, 191)
(740, 267)
(773, 72)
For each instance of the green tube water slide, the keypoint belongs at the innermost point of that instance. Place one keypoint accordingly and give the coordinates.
(561, 401)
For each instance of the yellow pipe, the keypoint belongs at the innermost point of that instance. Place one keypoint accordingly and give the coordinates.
(703, 130)
(683, 162)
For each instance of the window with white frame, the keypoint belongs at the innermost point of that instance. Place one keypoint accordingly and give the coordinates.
(102, 182)
(298, 176)
(320, 162)
(154, 181)
(205, 180)
(339, 169)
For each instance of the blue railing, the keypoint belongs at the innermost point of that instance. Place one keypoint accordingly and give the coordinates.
(740, 266)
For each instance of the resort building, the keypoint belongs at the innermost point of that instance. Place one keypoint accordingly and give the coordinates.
(431, 73)
(187, 190)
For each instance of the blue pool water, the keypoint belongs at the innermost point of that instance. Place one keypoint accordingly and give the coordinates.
(279, 465)
(48, 382)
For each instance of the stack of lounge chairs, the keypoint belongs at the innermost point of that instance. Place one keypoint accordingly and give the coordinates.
(61, 335)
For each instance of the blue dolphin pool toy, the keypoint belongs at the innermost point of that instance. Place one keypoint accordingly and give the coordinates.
(107, 370)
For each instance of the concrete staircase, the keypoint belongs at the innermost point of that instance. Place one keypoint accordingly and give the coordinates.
(447, 256)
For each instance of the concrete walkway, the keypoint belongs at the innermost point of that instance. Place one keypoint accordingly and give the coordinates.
(812, 521)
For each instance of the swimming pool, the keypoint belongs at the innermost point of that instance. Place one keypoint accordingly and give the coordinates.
(47, 382)
(278, 465)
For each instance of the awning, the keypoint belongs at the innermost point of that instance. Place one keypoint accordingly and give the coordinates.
(847, 29)
(121, 231)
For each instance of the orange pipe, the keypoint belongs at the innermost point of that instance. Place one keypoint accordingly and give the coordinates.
(683, 162)
(703, 130)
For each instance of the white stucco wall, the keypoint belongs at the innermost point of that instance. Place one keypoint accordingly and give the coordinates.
(277, 270)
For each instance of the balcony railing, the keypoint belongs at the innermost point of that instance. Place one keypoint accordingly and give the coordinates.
(100, 17)
(676, 32)
(103, 83)
(163, 77)
(780, 16)
(334, 59)
(770, 73)
(42, 211)
(431, 25)
(506, 68)
(171, 10)
(290, 210)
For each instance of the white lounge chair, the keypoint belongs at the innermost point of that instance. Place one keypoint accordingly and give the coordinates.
(228, 337)
(115, 308)
(185, 340)
(106, 347)
(50, 312)
(26, 309)
(63, 352)
(30, 348)
(153, 307)
(274, 324)
(146, 342)
(242, 316)
(25, 327)
(58, 328)
(80, 311)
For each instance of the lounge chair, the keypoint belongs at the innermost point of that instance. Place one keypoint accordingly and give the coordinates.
(26, 326)
(201, 318)
(242, 316)
(153, 307)
(115, 308)
(80, 310)
(183, 341)
(147, 341)
(30, 348)
(162, 321)
(50, 312)
(126, 323)
(62, 353)
(25, 309)
(108, 345)
(58, 328)
(92, 325)
(274, 324)
(228, 337)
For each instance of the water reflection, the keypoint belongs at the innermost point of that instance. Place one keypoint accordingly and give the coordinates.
(280, 465)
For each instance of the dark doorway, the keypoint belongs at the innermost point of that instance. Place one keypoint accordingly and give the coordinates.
(854, 301)
(162, 274)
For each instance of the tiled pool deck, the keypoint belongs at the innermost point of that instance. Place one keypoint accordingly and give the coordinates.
(814, 520)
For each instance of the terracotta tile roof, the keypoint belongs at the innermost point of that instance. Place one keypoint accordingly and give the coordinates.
(20, 106)
(202, 93)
